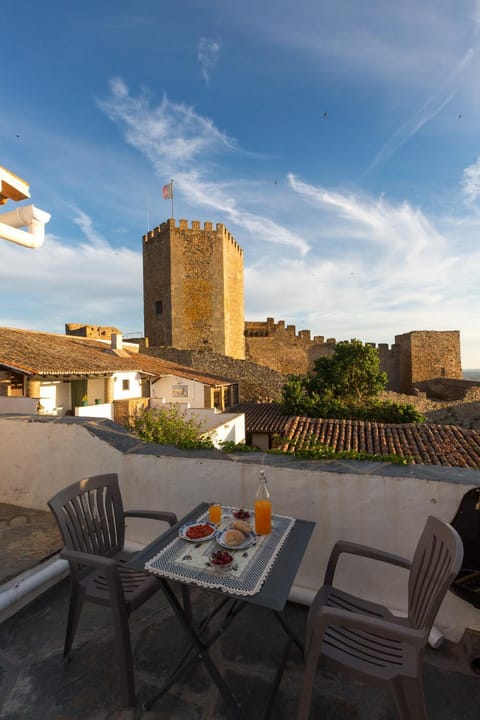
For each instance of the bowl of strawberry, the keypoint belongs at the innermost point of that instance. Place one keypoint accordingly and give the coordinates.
(221, 561)
(241, 514)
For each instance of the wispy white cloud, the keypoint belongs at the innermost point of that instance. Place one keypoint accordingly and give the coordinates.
(172, 135)
(471, 181)
(175, 139)
(393, 270)
(85, 223)
(77, 281)
(208, 54)
(429, 110)
(405, 46)
(398, 230)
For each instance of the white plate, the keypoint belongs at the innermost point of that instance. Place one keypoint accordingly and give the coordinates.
(250, 539)
(183, 531)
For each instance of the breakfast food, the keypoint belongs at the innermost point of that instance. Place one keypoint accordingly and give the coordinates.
(241, 514)
(196, 532)
(234, 537)
(242, 525)
(221, 558)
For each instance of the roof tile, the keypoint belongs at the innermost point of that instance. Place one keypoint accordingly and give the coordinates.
(425, 443)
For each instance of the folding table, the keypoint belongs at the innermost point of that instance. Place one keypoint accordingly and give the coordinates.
(273, 595)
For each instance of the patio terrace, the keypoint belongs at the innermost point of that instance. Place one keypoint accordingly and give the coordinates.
(373, 503)
(34, 682)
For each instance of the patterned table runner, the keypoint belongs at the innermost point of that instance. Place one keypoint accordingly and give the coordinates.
(188, 562)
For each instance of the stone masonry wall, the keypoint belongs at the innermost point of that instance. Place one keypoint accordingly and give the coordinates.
(193, 288)
(280, 347)
(427, 354)
(414, 357)
(102, 332)
(257, 383)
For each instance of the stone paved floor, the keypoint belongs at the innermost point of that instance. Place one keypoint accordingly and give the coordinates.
(35, 684)
(27, 537)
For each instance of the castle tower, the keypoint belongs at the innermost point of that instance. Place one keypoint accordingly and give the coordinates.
(427, 354)
(193, 288)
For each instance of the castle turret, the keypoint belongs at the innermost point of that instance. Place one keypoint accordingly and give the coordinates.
(193, 288)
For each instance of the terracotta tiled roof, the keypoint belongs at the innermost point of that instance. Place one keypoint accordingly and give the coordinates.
(38, 353)
(263, 417)
(426, 443)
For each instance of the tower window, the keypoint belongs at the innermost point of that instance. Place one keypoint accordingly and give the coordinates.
(125, 384)
(158, 307)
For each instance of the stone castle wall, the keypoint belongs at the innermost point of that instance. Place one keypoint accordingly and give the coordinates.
(280, 347)
(102, 332)
(414, 357)
(257, 383)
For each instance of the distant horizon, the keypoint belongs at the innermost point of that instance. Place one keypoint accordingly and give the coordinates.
(471, 374)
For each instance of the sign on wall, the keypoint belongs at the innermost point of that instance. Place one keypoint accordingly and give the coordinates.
(179, 391)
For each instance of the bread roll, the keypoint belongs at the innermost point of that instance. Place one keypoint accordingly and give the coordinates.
(234, 537)
(243, 526)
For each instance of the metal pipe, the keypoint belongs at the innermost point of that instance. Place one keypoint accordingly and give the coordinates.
(28, 586)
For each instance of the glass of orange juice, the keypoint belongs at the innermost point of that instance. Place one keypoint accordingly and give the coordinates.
(215, 513)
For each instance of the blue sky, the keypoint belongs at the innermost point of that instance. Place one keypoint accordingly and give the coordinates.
(338, 141)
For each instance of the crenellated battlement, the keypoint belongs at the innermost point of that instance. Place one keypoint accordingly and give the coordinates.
(270, 328)
(170, 226)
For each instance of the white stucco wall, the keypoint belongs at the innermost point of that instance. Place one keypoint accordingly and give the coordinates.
(102, 410)
(224, 427)
(135, 389)
(387, 509)
(23, 405)
(178, 390)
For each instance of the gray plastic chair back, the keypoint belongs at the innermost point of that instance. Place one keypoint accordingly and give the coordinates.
(435, 565)
(90, 515)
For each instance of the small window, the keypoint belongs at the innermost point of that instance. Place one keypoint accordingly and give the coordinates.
(158, 307)
(125, 384)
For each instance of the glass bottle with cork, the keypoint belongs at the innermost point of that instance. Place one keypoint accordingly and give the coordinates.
(263, 506)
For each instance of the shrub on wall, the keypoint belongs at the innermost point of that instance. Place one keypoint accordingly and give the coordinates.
(169, 426)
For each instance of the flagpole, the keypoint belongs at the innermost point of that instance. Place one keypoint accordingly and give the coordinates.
(171, 184)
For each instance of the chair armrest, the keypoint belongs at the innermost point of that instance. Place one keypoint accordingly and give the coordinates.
(328, 616)
(100, 562)
(351, 548)
(163, 515)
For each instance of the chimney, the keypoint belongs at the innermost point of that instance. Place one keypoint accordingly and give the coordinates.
(116, 341)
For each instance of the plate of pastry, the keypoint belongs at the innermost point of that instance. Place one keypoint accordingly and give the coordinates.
(198, 531)
(238, 536)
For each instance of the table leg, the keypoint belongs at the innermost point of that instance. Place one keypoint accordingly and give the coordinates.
(201, 653)
(289, 631)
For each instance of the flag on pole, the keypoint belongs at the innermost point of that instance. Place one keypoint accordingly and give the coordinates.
(167, 191)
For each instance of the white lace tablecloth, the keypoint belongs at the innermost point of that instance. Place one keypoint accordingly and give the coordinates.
(189, 562)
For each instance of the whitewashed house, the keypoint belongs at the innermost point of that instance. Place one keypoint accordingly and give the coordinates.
(53, 374)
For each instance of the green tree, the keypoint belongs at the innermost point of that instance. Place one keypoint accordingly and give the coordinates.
(169, 426)
(345, 385)
(352, 373)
